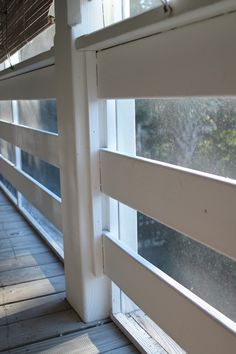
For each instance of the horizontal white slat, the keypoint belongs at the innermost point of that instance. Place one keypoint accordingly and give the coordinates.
(195, 60)
(194, 203)
(37, 84)
(36, 142)
(37, 62)
(39, 196)
(154, 21)
(191, 322)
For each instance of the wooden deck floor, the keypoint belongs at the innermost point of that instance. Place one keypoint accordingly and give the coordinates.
(34, 314)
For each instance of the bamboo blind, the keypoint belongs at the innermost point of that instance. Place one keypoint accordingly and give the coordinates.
(20, 22)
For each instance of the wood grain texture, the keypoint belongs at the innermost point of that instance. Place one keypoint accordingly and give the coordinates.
(167, 343)
(33, 308)
(22, 275)
(101, 339)
(32, 289)
(35, 316)
(27, 261)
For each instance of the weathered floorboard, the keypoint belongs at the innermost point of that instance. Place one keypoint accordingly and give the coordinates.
(33, 289)
(27, 261)
(33, 308)
(101, 339)
(34, 314)
(22, 275)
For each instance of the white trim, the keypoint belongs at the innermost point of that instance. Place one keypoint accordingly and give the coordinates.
(172, 64)
(197, 204)
(155, 21)
(39, 61)
(48, 203)
(36, 142)
(190, 321)
(94, 138)
(37, 84)
(89, 295)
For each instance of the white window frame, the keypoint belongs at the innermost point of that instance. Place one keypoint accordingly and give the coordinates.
(117, 78)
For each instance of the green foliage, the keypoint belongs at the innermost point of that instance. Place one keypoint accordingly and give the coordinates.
(198, 133)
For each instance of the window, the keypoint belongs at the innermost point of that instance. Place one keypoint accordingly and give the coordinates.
(197, 133)
(43, 172)
(38, 114)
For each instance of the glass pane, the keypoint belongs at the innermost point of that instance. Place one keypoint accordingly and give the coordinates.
(38, 114)
(139, 6)
(43, 172)
(198, 133)
(7, 150)
(205, 272)
(43, 222)
(8, 185)
(6, 111)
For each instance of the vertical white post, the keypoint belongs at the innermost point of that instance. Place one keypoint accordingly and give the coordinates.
(87, 293)
(15, 119)
(126, 143)
(15, 116)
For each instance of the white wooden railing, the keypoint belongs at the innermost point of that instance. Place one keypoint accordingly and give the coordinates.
(32, 79)
(112, 65)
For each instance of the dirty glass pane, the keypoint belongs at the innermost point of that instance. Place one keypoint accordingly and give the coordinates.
(7, 150)
(8, 185)
(205, 272)
(42, 222)
(6, 111)
(198, 133)
(43, 172)
(38, 114)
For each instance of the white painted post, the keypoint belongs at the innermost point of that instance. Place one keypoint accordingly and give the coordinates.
(88, 294)
(15, 119)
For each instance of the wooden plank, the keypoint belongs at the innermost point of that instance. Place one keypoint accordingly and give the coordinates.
(101, 339)
(44, 200)
(40, 328)
(142, 340)
(10, 216)
(32, 289)
(27, 261)
(20, 242)
(23, 231)
(4, 225)
(171, 64)
(36, 62)
(154, 21)
(39, 143)
(190, 321)
(21, 275)
(33, 308)
(38, 84)
(22, 251)
(156, 332)
(196, 204)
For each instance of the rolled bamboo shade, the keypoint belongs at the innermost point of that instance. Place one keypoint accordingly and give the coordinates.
(20, 22)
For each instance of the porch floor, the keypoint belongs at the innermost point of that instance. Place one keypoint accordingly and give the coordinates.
(34, 314)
